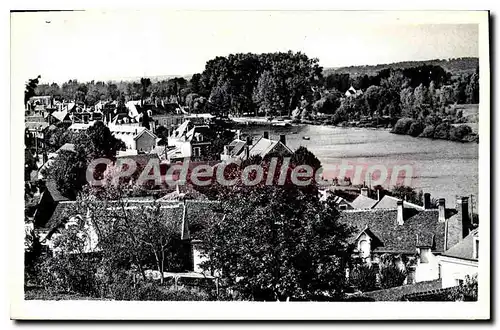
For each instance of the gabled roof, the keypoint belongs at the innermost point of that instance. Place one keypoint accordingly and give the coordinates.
(265, 146)
(463, 249)
(237, 147)
(145, 131)
(36, 125)
(67, 147)
(140, 159)
(189, 216)
(390, 202)
(60, 115)
(363, 202)
(419, 228)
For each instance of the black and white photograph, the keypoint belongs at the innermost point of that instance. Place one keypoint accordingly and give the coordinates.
(245, 162)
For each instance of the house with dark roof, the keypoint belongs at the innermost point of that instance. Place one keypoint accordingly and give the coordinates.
(239, 149)
(460, 260)
(189, 216)
(189, 141)
(416, 236)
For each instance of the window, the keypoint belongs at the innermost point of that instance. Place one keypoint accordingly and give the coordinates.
(342, 207)
(196, 152)
(459, 281)
(364, 248)
(476, 248)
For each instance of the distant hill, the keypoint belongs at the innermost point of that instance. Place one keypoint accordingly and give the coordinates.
(454, 66)
(153, 78)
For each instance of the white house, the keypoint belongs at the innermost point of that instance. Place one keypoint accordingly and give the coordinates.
(460, 261)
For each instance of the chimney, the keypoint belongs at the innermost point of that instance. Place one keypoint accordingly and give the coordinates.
(247, 151)
(442, 210)
(378, 194)
(283, 139)
(427, 201)
(249, 140)
(364, 191)
(401, 209)
(238, 134)
(463, 214)
(266, 135)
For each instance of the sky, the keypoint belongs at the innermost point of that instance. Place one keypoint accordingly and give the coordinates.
(97, 45)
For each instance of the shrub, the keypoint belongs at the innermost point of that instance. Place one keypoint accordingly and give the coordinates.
(416, 128)
(391, 276)
(459, 133)
(154, 292)
(442, 131)
(428, 131)
(402, 126)
(465, 292)
(364, 277)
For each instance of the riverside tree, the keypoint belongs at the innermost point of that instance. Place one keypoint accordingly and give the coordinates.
(277, 241)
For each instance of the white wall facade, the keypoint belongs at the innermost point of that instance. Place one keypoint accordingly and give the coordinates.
(454, 270)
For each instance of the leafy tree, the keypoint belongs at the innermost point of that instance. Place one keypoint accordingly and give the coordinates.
(442, 131)
(428, 131)
(30, 88)
(266, 94)
(460, 132)
(302, 156)
(266, 248)
(391, 276)
(416, 128)
(220, 98)
(145, 84)
(408, 194)
(68, 172)
(364, 277)
(372, 96)
(407, 102)
(402, 126)
(467, 291)
(329, 103)
(98, 142)
(472, 89)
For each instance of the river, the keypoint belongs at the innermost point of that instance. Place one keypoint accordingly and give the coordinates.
(443, 168)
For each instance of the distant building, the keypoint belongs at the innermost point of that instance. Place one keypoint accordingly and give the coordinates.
(239, 149)
(188, 215)
(189, 141)
(352, 92)
(460, 260)
(135, 138)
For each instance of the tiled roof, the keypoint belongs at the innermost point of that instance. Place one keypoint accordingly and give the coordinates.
(390, 202)
(463, 249)
(262, 147)
(67, 147)
(238, 146)
(140, 159)
(189, 215)
(54, 192)
(363, 202)
(420, 228)
(60, 115)
(36, 125)
(397, 293)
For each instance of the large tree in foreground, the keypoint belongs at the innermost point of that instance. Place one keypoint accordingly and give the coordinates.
(277, 242)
